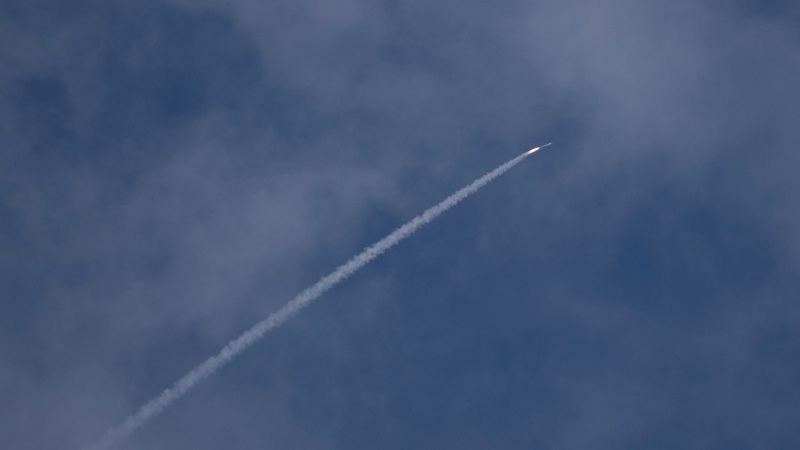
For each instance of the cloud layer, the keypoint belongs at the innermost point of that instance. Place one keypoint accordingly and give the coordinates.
(172, 172)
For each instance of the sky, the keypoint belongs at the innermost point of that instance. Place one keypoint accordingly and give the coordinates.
(173, 171)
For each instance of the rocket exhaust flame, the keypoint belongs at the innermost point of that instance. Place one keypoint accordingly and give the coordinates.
(235, 347)
(537, 148)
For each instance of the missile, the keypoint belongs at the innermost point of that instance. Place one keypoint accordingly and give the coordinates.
(537, 148)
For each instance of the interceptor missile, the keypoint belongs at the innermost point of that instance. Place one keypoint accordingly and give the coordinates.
(537, 148)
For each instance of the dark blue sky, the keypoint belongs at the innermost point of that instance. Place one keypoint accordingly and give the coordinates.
(171, 172)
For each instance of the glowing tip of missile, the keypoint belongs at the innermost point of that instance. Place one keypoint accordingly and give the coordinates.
(537, 148)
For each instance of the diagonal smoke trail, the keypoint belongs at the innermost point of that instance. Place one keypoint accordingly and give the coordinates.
(157, 405)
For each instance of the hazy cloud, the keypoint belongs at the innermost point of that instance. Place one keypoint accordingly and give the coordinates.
(171, 172)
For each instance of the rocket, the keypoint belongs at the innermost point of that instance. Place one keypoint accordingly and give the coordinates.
(537, 148)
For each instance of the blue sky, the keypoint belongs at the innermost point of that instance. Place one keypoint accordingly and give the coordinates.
(171, 172)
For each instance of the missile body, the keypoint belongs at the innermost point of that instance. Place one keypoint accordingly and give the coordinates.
(537, 148)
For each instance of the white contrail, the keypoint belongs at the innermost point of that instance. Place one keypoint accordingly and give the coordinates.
(235, 347)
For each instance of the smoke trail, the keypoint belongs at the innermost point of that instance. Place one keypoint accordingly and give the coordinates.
(157, 405)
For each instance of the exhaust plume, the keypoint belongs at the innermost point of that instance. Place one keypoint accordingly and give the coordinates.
(169, 396)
